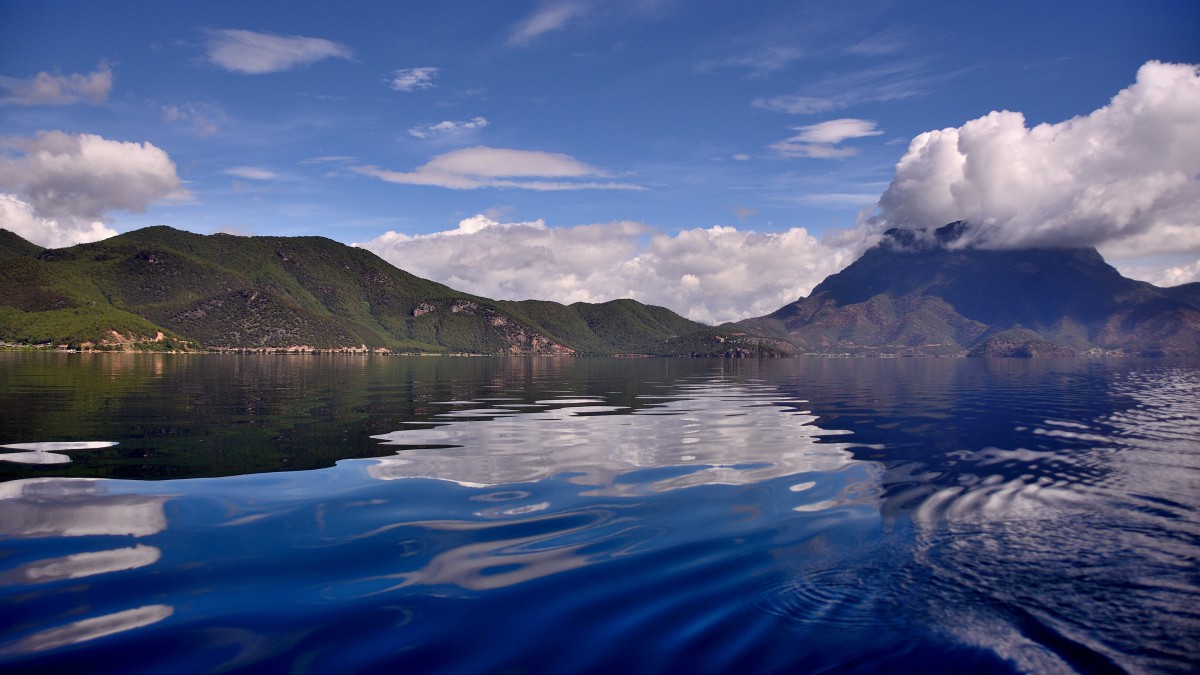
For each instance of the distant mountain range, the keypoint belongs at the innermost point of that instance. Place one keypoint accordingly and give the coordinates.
(916, 293)
(161, 288)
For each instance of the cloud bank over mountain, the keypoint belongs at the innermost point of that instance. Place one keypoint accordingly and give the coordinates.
(1124, 178)
(713, 275)
(61, 187)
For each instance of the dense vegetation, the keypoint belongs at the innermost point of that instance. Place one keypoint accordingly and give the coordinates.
(161, 288)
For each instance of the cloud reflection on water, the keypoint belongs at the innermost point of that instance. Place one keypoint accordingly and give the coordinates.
(43, 508)
(705, 434)
(48, 452)
(73, 507)
(90, 629)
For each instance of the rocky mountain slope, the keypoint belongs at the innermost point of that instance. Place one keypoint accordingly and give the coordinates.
(917, 293)
(164, 288)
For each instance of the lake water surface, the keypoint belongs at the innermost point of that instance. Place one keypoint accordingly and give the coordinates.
(338, 514)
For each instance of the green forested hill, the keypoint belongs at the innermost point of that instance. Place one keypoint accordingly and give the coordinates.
(163, 287)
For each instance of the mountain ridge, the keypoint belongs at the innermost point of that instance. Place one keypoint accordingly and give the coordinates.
(159, 288)
(917, 292)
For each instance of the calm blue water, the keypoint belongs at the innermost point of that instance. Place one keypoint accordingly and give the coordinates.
(205, 514)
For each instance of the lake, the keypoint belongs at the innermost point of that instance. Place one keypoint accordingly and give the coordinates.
(205, 513)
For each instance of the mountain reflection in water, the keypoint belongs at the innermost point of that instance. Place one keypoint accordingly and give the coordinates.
(586, 515)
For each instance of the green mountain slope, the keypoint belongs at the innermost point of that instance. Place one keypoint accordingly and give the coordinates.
(161, 285)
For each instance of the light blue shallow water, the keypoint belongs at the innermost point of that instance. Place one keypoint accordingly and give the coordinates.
(584, 515)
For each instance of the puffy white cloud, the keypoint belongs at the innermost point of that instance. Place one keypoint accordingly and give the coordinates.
(1161, 270)
(86, 175)
(412, 79)
(47, 89)
(551, 16)
(713, 275)
(821, 140)
(19, 217)
(1173, 276)
(68, 183)
(1125, 178)
(244, 51)
(447, 127)
(481, 166)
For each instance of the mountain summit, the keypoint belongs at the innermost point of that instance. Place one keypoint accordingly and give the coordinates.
(920, 292)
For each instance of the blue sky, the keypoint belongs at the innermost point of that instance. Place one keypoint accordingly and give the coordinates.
(608, 143)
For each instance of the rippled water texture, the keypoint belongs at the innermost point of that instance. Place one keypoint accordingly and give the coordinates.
(197, 514)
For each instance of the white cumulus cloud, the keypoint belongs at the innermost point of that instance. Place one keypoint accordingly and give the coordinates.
(447, 127)
(19, 217)
(1174, 276)
(252, 53)
(1160, 273)
(1124, 178)
(69, 183)
(822, 140)
(412, 79)
(47, 89)
(713, 275)
(481, 166)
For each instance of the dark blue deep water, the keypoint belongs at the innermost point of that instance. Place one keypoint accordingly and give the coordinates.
(335, 514)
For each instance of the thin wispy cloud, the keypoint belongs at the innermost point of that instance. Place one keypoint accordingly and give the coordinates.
(549, 17)
(888, 82)
(759, 64)
(413, 79)
(823, 140)
(251, 53)
(889, 41)
(201, 117)
(51, 89)
(482, 167)
(251, 172)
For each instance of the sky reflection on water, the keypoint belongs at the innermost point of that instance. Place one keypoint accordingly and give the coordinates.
(575, 516)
